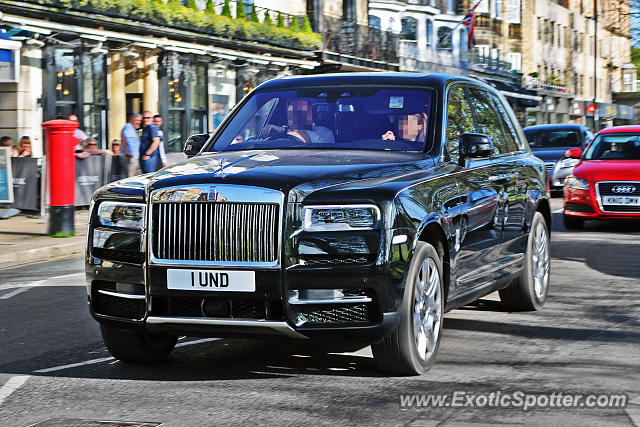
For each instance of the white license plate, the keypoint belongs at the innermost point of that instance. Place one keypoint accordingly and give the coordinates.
(621, 200)
(211, 280)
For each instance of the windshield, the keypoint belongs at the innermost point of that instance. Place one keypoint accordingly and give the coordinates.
(339, 118)
(551, 138)
(614, 146)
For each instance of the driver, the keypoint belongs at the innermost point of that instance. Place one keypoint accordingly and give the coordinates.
(300, 124)
(616, 150)
(410, 128)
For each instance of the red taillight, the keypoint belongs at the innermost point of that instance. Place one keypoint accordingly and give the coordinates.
(548, 187)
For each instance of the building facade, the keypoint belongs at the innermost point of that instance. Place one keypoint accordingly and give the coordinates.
(573, 60)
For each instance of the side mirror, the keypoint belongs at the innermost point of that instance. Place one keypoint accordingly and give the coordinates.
(194, 144)
(573, 153)
(475, 146)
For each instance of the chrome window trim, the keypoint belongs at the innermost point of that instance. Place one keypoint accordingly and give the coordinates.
(232, 193)
(599, 198)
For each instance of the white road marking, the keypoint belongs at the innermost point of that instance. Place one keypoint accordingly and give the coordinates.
(15, 292)
(108, 359)
(52, 281)
(12, 385)
(74, 365)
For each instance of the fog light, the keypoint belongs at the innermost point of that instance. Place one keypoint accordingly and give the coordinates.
(215, 308)
(130, 288)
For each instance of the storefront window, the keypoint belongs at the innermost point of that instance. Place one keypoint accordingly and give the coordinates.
(186, 109)
(198, 84)
(76, 84)
(66, 75)
(175, 117)
(94, 97)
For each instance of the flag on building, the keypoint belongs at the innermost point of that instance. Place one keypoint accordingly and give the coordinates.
(469, 21)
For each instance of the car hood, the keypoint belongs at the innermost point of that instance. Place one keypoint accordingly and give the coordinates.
(303, 171)
(608, 170)
(550, 154)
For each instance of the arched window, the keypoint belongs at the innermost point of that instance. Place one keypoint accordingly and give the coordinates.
(374, 22)
(464, 41)
(444, 38)
(409, 28)
(429, 31)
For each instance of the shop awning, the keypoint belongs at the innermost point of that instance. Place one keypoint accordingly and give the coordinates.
(518, 94)
(153, 42)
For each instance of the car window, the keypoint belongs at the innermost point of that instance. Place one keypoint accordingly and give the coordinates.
(459, 121)
(486, 121)
(348, 117)
(614, 146)
(541, 138)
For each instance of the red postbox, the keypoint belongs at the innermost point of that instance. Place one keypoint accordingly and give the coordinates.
(61, 175)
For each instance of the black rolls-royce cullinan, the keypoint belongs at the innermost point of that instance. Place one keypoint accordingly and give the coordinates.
(354, 206)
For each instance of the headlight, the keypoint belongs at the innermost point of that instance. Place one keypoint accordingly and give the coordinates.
(576, 183)
(568, 162)
(339, 218)
(125, 215)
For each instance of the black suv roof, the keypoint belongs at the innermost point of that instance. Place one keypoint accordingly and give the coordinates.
(417, 79)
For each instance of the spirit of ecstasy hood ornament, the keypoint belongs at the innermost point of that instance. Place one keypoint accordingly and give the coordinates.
(222, 161)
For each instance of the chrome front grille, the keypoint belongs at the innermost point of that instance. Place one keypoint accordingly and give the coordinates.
(216, 231)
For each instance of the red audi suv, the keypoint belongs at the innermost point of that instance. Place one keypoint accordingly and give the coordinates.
(605, 184)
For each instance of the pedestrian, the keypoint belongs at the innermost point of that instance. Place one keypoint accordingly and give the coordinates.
(7, 141)
(149, 143)
(157, 120)
(24, 147)
(78, 133)
(90, 148)
(131, 143)
(119, 162)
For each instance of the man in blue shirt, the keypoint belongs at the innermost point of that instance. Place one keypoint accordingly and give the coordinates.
(149, 143)
(131, 143)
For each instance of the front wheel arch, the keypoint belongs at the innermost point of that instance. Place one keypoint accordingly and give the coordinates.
(432, 232)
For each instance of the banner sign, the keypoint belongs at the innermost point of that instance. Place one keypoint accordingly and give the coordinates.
(6, 178)
(26, 186)
(89, 177)
(610, 111)
(625, 112)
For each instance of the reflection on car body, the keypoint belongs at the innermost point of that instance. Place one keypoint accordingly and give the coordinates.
(323, 227)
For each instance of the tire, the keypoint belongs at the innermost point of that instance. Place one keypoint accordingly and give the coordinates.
(137, 347)
(411, 349)
(572, 223)
(529, 291)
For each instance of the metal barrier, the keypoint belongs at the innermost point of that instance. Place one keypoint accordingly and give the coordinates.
(91, 174)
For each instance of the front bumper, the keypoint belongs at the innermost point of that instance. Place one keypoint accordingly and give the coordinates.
(584, 204)
(265, 312)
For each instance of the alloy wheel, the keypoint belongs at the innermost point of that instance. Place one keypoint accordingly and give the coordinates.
(427, 309)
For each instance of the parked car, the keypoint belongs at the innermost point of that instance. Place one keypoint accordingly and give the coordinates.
(356, 206)
(605, 184)
(550, 142)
